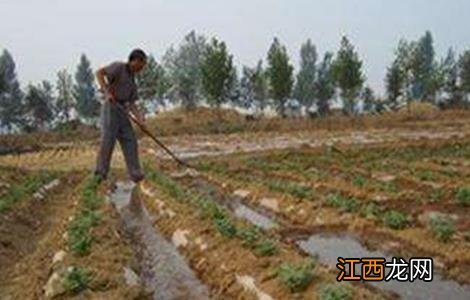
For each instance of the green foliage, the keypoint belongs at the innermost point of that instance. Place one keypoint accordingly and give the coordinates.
(38, 107)
(28, 186)
(84, 91)
(280, 74)
(425, 175)
(217, 72)
(65, 100)
(304, 90)
(347, 72)
(184, 72)
(395, 219)
(346, 204)
(463, 196)
(152, 82)
(225, 226)
(76, 280)
(11, 96)
(359, 181)
(335, 291)
(442, 226)
(464, 73)
(292, 188)
(296, 276)
(79, 230)
(395, 81)
(266, 248)
(325, 85)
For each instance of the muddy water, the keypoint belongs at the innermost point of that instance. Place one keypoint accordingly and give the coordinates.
(163, 271)
(329, 247)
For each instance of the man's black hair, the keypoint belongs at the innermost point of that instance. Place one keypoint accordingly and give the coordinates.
(137, 54)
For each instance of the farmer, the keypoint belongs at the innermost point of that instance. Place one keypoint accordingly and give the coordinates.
(117, 83)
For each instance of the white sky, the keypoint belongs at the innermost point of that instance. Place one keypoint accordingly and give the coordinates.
(47, 35)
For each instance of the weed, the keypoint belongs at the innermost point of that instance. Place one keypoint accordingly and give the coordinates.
(359, 181)
(76, 280)
(266, 248)
(463, 196)
(442, 226)
(346, 204)
(249, 236)
(335, 292)
(296, 276)
(395, 219)
(225, 226)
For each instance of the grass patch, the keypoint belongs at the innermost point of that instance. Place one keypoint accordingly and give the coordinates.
(79, 231)
(442, 227)
(335, 292)
(395, 219)
(27, 187)
(296, 276)
(344, 203)
(76, 280)
(463, 196)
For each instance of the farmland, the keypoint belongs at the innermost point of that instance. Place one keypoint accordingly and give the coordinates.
(265, 215)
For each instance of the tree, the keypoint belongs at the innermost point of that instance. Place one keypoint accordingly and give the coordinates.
(260, 86)
(65, 100)
(217, 73)
(11, 96)
(280, 74)
(464, 73)
(152, 82)
(450, 73)
(254, 87)
(39, 109)
(369, 99)
(85, 91)
(183, 66)
(324, 84)
(347, 72)
(423, 69)
(304, 90)
(395, 82)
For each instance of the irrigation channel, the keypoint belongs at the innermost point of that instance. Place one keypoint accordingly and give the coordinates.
(164, 273)
(327, 247)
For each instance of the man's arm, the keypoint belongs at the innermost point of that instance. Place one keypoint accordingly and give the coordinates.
(103, 84)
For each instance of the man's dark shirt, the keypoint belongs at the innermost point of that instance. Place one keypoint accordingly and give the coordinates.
(121, 80)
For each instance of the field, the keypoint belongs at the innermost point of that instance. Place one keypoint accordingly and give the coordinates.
(265, 216)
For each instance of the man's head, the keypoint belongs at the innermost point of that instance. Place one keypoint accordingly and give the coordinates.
(137, 60)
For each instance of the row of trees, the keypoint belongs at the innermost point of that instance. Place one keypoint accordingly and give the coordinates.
(416, 74)
(201, 70)
(41, 105)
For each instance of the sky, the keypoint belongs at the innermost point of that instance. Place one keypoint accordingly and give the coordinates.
(45, 36)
